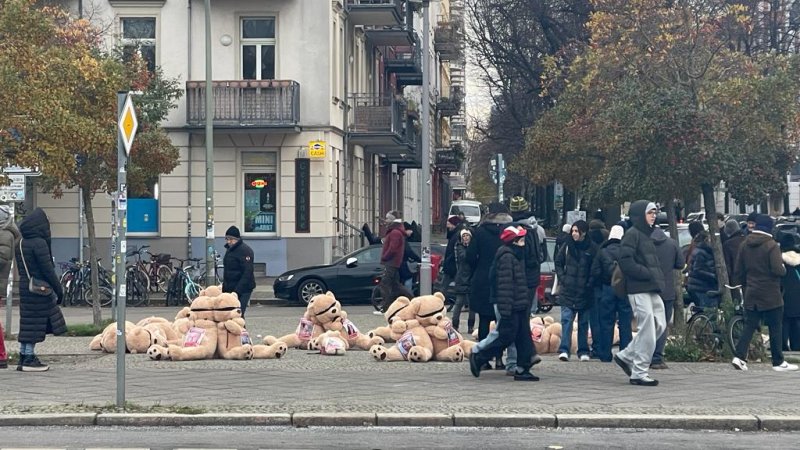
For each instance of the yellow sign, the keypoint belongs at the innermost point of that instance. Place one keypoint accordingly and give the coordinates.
(128, 124)
(316, 149)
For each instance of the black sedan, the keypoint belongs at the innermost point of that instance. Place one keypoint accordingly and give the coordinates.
(352, 277)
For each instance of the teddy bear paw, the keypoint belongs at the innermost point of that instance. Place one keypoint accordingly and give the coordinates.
(378, 352)
(459, 355)
(414, 355)
(282, 349)
(157, 353)
(249, 353)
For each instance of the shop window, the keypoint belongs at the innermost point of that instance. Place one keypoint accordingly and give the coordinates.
(260, 202)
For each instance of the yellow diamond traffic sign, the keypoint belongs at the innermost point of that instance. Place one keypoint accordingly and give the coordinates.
(128, 124)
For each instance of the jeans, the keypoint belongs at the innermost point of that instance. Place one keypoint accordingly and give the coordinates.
(649, 312)
(26, 348)
(244, 299)
(594, 322)
(390, 286)
(658, 355)
(461, 301)
(409, 284)
(610, 310)
(514, 330)
(773, 318)
(567, 317)
(791, 334)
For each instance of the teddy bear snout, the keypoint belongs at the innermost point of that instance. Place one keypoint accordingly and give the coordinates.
(439, 317)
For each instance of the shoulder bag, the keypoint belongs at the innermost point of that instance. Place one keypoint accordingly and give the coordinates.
(36, 286)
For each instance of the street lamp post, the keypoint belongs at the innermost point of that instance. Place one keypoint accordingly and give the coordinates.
(210, 261)
(425, 179)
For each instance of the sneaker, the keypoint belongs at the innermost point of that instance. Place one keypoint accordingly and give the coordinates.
(563, 356)
(486, 366)
(32, 364)
(646, 381)
(525, 376)
(623, 365)
(473, 365)
(739, 364)
(785, 367)
(377, 313)
(659, 366)
(498, 365)
(584, 358)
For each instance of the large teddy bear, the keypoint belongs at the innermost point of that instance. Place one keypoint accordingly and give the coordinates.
(162, 326)
(323, 313)
(448, 343)
(546, 334)
(200, 342)
(415, 343)
(233, 339)
(355, 338)
(137, 338)
(399, 317)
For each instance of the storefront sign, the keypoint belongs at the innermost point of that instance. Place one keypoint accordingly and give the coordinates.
(302, 195)
(316, 149)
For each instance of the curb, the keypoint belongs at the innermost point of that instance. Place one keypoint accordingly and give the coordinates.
(301, 420)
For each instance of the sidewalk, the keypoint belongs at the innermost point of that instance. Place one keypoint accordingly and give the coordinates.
(304, 389)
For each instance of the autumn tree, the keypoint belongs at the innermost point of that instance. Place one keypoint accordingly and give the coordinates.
(59, 91)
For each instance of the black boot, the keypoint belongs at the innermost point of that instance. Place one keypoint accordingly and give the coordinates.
(21, 360)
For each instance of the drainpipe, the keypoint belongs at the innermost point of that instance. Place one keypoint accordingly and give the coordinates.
(346, 112)
(189, 183)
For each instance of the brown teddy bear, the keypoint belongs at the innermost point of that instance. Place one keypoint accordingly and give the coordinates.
(355, 338)
(200, 342)
(137, 339)
(448, 344)
(399, 317)
(162, 330)
(233, 340)
(323, 313)
(330, 343)
(414, 345)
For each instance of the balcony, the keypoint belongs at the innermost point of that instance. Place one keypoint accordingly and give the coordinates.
(390, 37)
(375, 12)
(412, 160)
(381, 125)
(406, 64)
(450, 106)
(448, 39)
(245, 103)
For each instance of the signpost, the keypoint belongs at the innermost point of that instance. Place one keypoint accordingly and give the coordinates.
(127, 130)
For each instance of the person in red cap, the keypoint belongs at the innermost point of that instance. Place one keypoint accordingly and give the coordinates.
(508, 292)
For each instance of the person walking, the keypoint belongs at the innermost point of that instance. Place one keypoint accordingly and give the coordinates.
(38, 314)
(449, 269)
(463, 282)
(759, 270)
(610, 308)
(790, 253)
(644, 281)
(9, 237)
(238, 273)
(670, 259)
(730, 249)
(509, 296)
(701, 268)
(480, 255)
(394, 244)
(573, 266)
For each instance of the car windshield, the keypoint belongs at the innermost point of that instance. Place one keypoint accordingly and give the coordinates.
(468, 210)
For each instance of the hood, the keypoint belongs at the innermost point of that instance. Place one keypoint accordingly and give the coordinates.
(757, 238)
(637, 216)
(791, 258)
(596, 225)
(658, 236)
(35, 225)
(498, 218)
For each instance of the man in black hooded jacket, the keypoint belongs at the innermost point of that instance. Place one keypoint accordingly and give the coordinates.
(644, 282)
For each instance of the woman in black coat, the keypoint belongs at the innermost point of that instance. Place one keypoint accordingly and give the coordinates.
(790, 253)
(38, 315)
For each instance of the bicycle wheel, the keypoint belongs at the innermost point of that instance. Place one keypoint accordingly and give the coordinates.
(136, 292)
(376, 298)
(163, 275)
(173, 293)
(104, 293)
(701, 331)
(144, 277)
(735, 329)
(191, 290)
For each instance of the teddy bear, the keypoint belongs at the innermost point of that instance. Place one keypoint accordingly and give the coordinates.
(355, 338)
(233, 340)
(399, 317)
(329, 343)
(431, 314)
(414, 345)
(137, 339)
(200, 342)
(161, 329)
(546, 334)
(323, 313)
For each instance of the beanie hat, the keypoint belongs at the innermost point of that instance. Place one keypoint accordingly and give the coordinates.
(455, 221)
(731, 227)
(581, 225)
(463, 232)
(764, 223)
(696, 228)
(752, 216)
(511, 234)
(566, 228)
(497, 208)
(407, 226)
(616, 232)
(518, 204)
(233, 232)
(651, 206)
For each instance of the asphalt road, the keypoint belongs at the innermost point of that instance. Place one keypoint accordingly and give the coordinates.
(386, 438)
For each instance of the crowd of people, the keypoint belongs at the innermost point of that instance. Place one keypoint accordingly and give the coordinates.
(493, 269)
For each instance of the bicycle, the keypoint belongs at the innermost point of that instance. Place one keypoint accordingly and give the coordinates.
(180, 285)
(159, 270)
(197, 271)
(710, 330)
(76, 282)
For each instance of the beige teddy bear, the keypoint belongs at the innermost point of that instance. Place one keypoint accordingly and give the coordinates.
(330, 343)
(200, 342)
(137, 339)
(448, 343)
(399, 317)
(323, 313)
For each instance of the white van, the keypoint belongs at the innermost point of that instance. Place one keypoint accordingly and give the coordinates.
(470, 208)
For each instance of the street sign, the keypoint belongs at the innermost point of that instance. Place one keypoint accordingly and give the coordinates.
(19, 170)
(15, 191)
(128, 124)
(316, 149)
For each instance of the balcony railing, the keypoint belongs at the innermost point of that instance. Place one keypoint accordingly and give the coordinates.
(448, 39)
(375, 12)
(448, 159)
(381, 124)
(245, 103)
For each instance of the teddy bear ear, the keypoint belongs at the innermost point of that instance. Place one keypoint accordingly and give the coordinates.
(440, 295)
(403, 299)
(330, 294)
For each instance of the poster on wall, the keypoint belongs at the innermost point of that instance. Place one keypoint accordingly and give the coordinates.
(259, 202)
(302, 195)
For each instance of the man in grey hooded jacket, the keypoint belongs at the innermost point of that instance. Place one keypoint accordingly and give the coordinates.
(644, 282)
(671, 259)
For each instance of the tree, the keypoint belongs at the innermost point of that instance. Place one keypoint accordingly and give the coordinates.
(60, 90)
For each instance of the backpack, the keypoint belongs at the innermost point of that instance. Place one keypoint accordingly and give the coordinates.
(618, 282)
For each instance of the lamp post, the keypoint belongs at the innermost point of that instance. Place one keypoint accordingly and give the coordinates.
(425, 179)
(210, 261)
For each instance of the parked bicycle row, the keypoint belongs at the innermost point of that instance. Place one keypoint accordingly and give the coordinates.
(146, 273)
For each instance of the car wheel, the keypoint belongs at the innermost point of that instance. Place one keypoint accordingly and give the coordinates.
(309, 288)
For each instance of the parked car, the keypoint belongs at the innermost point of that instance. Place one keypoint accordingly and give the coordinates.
(351, 277)
(471, 210)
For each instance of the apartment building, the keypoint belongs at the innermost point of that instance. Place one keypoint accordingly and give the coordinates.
(316, 117)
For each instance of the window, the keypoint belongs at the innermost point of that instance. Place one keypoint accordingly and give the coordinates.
(258, 48)
(260, 192)
(139, 35)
